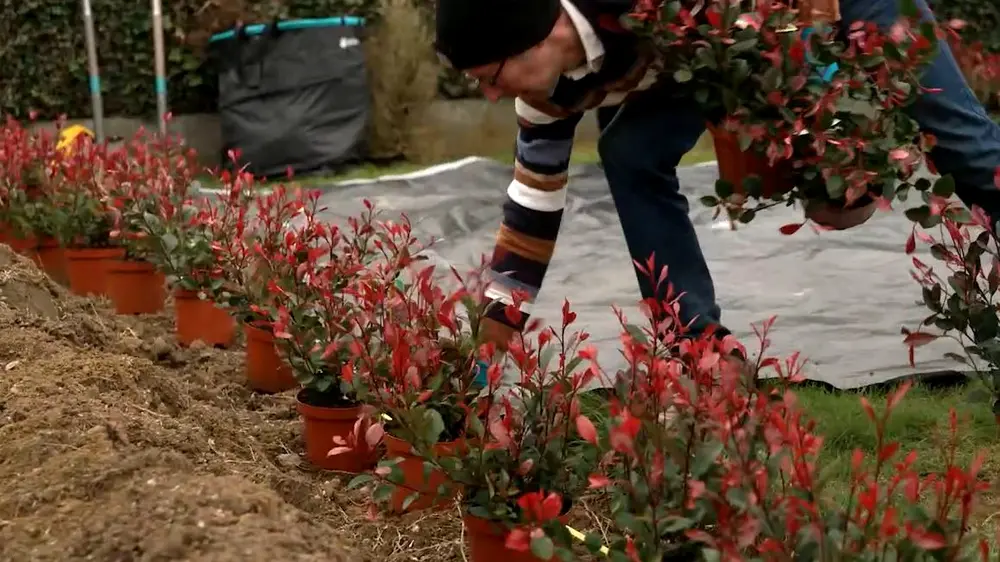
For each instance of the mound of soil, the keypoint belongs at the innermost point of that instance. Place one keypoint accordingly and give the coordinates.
(116, 445)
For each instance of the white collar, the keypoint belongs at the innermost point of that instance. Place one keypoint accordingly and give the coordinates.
(592, 45)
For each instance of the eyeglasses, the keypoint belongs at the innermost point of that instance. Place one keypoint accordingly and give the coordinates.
(496, 75)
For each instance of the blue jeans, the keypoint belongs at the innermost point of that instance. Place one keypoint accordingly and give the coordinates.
(642, 146)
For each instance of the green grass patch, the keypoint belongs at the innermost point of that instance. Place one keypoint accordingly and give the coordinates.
(919, 423)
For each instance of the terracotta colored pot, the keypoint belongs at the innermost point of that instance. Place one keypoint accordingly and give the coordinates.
(87, 269)
(413, 475)
(321, 424)
(51, 257)
(201, 320)
(486, 540)
(136, 287)
(25, 246)
(267, 371)
(839, 218)
(736, 165)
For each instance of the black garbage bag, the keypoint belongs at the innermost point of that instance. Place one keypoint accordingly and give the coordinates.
(292, 94)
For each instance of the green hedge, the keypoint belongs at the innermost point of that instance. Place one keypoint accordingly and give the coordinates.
(982, 17)
(44, 58)
(44, 62)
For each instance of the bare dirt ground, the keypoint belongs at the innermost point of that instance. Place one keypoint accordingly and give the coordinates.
(116, 445)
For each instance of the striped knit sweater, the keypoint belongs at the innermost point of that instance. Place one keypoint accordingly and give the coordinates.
(618, 66)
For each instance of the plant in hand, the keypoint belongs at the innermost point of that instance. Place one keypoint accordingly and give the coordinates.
(961, 297)
(823, 113)
(701, 465)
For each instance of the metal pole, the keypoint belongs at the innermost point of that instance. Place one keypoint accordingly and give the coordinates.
(160, 64)
(95, 72)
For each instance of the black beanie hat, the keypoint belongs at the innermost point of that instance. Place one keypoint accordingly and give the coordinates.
(472, 33)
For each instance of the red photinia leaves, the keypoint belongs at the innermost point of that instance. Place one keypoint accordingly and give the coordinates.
(688, 436)
(959, 291)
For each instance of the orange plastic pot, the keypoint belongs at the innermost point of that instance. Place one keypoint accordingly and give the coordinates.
(736, 165)
(266, 370)
(320, 424)
(840, 218)
(136, 287)
(24, 245)
(413, 475)
(198, 319)
(51, 257)
(87, 269)
(487, 541)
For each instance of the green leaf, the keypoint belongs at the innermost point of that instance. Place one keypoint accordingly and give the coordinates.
(169, 242)
(772, 79)
(740, 71)
(637, 333)
(745, 141)
(918, 214)
(408, 501)
(383, 493)
(676, 524)
(705, 457)
(957, 358)
(683, 75)
(723, 189)
(542, 547)
(742, 46)
(944, 186)
(835, 187)
(434, 426)
(747, 216)
(593, 542)
(360, 480)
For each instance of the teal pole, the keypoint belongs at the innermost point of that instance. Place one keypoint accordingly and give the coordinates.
(160, 65)
(94, 70)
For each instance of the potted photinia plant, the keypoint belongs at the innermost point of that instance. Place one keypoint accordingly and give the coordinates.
(798, 114)
(313, 328)
(521, 468)
(247, 257)
(80, 216)
(26, 162)
(145, 170)
(418, 365)
(189, 230)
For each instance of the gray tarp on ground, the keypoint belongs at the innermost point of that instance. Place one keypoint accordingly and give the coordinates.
(840, 297)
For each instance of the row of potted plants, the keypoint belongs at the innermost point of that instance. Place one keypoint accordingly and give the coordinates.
(125, 223)
(397, 383)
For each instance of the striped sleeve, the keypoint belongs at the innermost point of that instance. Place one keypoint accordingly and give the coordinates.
(532, 212)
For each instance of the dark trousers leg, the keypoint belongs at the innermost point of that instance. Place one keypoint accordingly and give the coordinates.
(640, 151)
